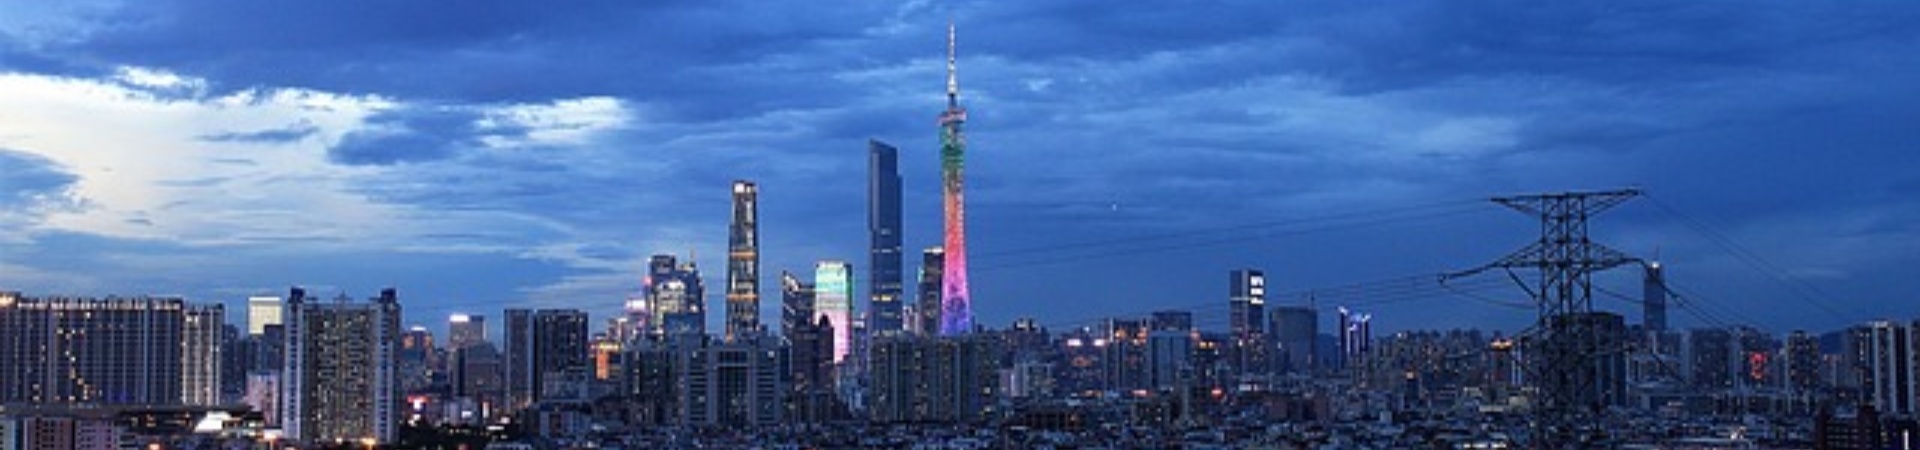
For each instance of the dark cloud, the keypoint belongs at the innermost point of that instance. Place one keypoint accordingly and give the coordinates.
(413, 134)
(33, 183)
(289, 133)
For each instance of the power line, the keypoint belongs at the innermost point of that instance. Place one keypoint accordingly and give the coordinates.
(1801, 290)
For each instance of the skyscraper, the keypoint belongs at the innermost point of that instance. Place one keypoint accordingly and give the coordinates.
(540, 345)
(262, 310)
(945, 379)
(1891, 379)
(200, 356)
(1246, 303)
(883, 226)
(833, 300)
(956, 307)
(112, 351)
(466, 331)
(743, 263)
(677, 296)
(928, 305)
(1294, 330)
(1654, 298)
(340, 382)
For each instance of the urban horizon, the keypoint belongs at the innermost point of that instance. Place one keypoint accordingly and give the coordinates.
(1554, 227)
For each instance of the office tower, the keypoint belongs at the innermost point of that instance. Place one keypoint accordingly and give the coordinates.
(476, 380)
(466, 331)
(1803, 363)
(1890, 376)
(1247, 319)
(944, 379)
(1294, 329)
(416, 360)
(341, 382)
(1247, 299)
(743, 263)
(262, 310)
(927, 307)
(833, 300)
(883, 229)
(1711, 358)
(237, 351)
(635, 321)
(1125, 358)
(1603, 380)
(606, 357)
(956, 307)
(1170, 344)
(702, 382)
(796, 303)
(1356, 337)
(1654, 298)
(73, 351)
(200, 345)
(270, 349)
(677, 296)
(541, 345)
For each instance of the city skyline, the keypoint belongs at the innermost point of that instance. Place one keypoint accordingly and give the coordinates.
(196, 154)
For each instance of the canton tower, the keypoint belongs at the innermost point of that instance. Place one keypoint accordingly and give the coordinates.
(956, 311)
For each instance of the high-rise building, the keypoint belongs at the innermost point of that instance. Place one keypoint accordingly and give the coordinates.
(1356, 337)
(200, 357)
(1890, 383)
(1126, 366)
(416, 359)
(927, 307)
(476, 380)
(743, 263)
(1170, 345)
(1247, 319)
(883, 229)
(1803, 362)
(944, 379)
(1295, 328)
(87, 351)
(677, 296)
(956, 306)
(262, 310)
(465, 330)
(796, 303)
(833, 300)
(541, 344)
(341, 382)
(699, 382)
(1710, 358)
(1654, 298)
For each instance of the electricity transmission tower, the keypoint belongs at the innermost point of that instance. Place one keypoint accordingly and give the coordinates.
(1572, 351)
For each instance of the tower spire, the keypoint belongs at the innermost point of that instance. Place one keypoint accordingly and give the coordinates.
(953, 77)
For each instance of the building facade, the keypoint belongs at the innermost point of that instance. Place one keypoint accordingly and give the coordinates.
(743, 263)
(541, 344)
(833, 300)
(341, 382)
(883, 229)
(88, 351)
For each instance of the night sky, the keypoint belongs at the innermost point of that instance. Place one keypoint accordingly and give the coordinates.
(480, 155)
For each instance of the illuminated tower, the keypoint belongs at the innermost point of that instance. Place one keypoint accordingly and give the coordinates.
(956, 309)
(743, 263)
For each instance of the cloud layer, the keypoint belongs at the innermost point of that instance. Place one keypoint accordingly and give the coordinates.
(497, 155)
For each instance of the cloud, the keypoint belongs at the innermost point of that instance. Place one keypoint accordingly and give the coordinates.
(290, 133)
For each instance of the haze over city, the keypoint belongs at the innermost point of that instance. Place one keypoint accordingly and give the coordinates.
(1122, 157)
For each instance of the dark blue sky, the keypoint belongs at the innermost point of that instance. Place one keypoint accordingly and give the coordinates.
(1124, 156)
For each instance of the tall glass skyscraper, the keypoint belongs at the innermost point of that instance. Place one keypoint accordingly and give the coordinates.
(956, 307)
(1654, 302)
(927, 309)
(743, 263)
(883, 225)
(833, 300)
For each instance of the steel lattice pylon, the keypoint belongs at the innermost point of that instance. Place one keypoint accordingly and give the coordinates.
(1566, 345)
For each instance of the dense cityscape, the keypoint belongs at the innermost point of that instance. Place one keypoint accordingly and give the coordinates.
(887, 352)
